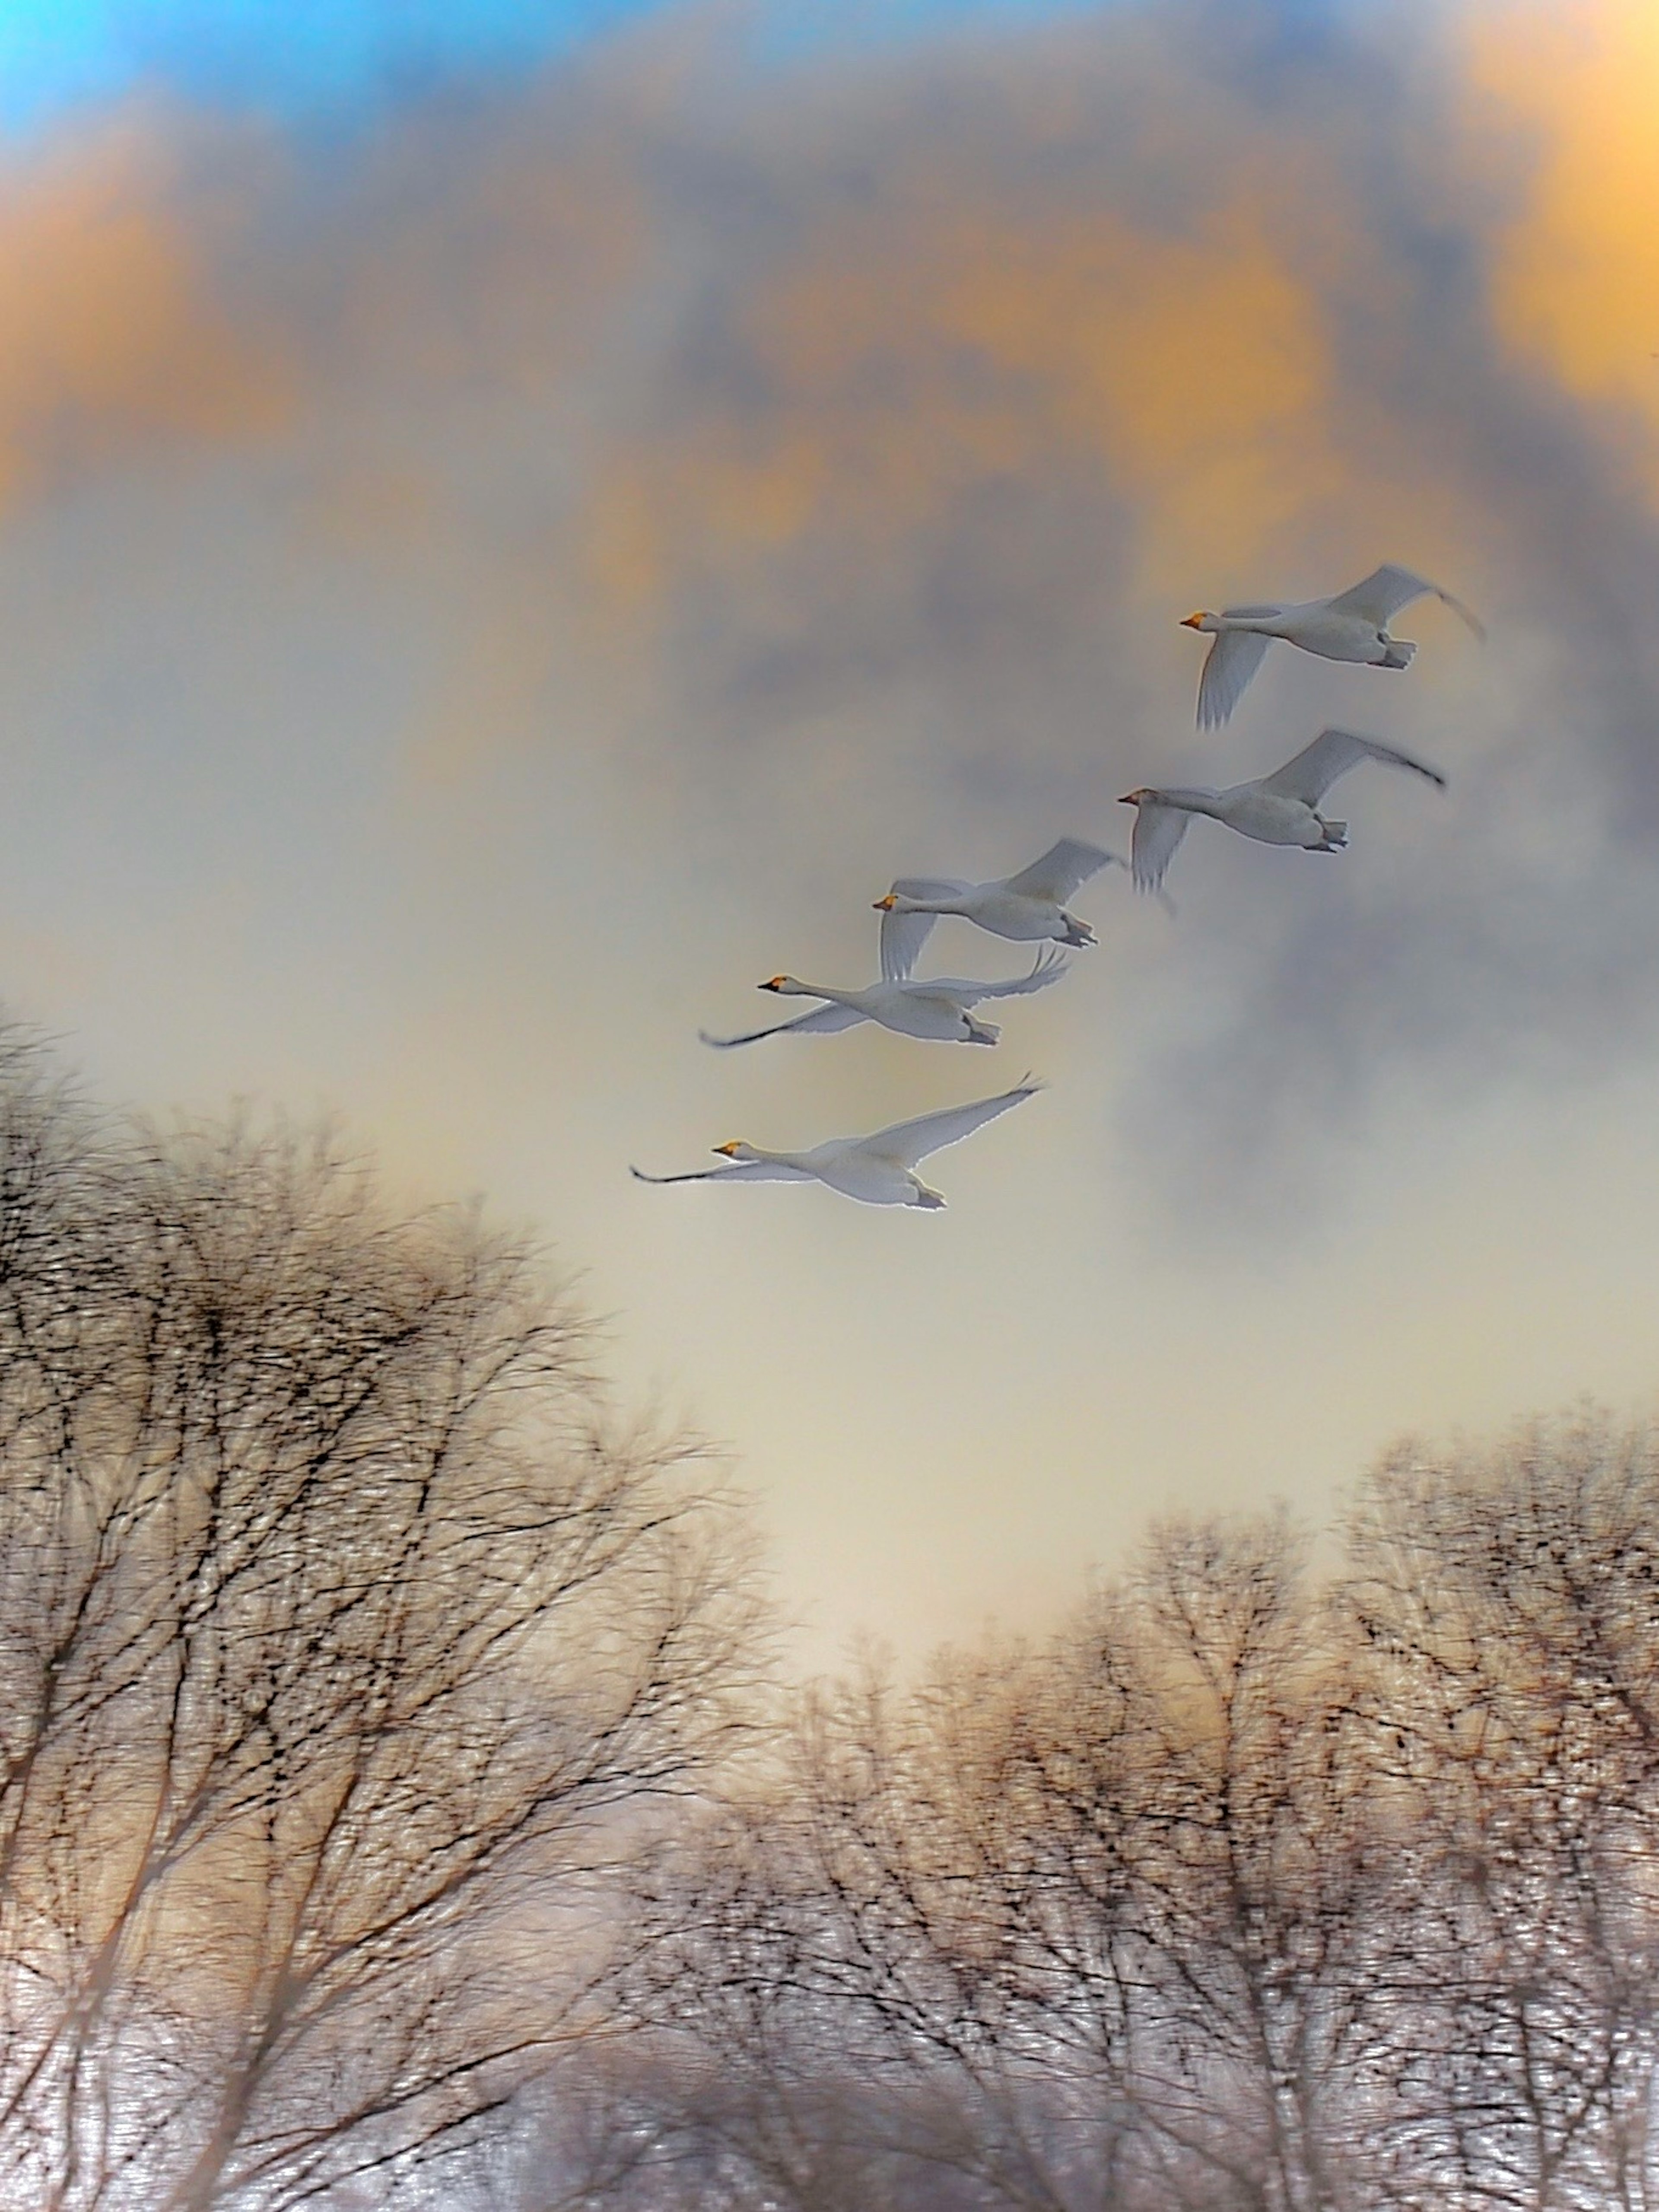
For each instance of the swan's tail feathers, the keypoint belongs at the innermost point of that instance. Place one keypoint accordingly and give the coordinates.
(929, 1200)
(1077, 933)
(1336, 836)
(1399, 654)
(981, 1032)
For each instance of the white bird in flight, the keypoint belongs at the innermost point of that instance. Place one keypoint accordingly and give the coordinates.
(1352, 625)
(1280, 809)
(1022, 906)
(876, 1170)
(936, 1008)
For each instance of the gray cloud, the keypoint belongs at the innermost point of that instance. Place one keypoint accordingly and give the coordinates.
(695, 402)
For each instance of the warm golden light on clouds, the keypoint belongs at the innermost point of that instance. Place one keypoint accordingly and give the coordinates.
(933, 344)
(1576, 281)
(107, 335)
(1186, 364)
(533, 576)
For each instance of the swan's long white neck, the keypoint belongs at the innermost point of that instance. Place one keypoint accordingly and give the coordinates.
(1264, 625)
(903, 904)
(793, 989)
(1193, 801)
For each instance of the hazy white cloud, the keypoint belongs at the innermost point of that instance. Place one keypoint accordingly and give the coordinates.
(480, 600)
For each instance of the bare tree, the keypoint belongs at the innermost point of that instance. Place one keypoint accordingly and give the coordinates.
(355, 1673)
(1510, 1605)
(1085, 1913)
(1243, 1895)
(342, 1643)
(1257, 1884)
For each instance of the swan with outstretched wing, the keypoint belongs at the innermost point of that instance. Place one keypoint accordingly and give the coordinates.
(937, 1008)
(1280, 809)
(877, 1170)
(1025, 906)
(1351, 625)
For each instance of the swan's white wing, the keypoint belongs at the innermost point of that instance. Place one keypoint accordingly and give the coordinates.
(903, 935)
(1228, 667)
(1060, 870)
(906, 1142)
(823, 1021)
(736, 1171)
(1159, 830)
(1332, 754)
(1382, 595)
(1048, 968)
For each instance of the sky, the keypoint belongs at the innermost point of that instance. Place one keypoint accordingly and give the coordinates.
(516, 523)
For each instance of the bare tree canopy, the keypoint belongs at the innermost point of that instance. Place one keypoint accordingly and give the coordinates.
(343, 1639)
(369, 1832)
(1250, 1892)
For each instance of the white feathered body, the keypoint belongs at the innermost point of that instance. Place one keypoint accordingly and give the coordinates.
(865, 1176)
(938, 1015)
(1269, 818)
(1318, 627)
(1026, 921)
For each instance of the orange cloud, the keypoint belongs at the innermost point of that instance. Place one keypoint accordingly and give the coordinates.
(1576, 283)
(1182, 363)
(106, 337)
(912, 350)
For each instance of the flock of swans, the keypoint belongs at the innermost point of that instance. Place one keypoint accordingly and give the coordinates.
(1030, 907)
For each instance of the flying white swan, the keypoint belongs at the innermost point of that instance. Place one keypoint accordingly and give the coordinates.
(1280, 809)
(876, 1170)
(1024, 907)
(1352, 625)
(936, 1008)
